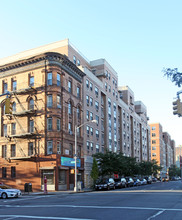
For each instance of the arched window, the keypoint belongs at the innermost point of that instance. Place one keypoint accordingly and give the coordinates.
(31, 104)
(14, 107)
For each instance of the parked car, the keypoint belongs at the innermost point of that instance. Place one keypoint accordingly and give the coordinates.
(129, 181)
(8, 192)
(105, 184)
(154, 179)
(120, 183)
(149, 179)
(143, 182)
(137, 182)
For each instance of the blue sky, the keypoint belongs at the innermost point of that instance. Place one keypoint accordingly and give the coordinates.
(138, 38)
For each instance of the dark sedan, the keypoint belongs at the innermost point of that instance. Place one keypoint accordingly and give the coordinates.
(120, 183)
(105, 184)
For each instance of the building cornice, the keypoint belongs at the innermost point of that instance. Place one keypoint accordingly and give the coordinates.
(50, 58)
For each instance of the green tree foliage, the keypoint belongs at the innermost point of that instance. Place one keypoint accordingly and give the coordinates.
(95, 171)
(173, 75)
(174, 171)
(110, 163)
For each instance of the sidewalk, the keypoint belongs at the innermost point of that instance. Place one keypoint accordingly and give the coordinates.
(54, 192)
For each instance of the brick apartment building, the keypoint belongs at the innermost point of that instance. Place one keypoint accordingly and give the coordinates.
(162, 148)
(53, 88)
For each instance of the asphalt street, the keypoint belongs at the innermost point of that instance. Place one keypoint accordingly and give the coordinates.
(156, 201)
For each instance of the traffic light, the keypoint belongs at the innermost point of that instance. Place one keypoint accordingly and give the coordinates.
(177, 107)
(8, 106)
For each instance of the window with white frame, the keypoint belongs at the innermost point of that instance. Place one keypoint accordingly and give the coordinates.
(58, 79)
(49, 147)
(49, 124)
(58, 124)
(49, 79)
(49, 101)
(58, 101)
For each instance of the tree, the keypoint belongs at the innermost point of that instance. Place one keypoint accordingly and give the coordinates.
(173, 75)
(174, 171)
(95, 171)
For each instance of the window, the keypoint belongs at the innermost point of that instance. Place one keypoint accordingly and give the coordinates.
(91, 86)
(14, 107)
(88, 145)
(153, 134)
(69, 86)
(88, 130)
(78, 62)
(58, 101)
(4, 151)
(13, 128)
(109, 88)
(14, 85)
(87, 115)
(91, 131)
(106, 86)
(78, 92)
(87, 83)
(13, 150)
(70, 128)
(58, 124)
(91, 146)
(74, 60)
(97, 118)
(49, 79)
(153, 148)
(97, 148)
(13, 172)
(5, 87)
(30, 148)
(31, 81)
(113, 92)
(31, 126)
(91, 116)
(96, 105)
(96, 91)
(78, 112)
(153, 154)
(58, 147)
(91, 101)
(153, 128)
(109, 76)
(31, 104)
(49, 101)
(97, 133)
(4, 172)
(5, 130)
(49, 124)
(153, 141)
(49, 147)
(69, 108)
(58, 79)
(71, 150)
(87, 99)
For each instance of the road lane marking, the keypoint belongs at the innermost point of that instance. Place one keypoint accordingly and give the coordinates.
(158, 213)
(90, 207)
(42, 217)
(27, 198)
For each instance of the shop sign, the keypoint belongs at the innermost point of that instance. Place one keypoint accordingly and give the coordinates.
(70, 162)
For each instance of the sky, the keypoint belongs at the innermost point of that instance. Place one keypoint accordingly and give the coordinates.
(137, 38)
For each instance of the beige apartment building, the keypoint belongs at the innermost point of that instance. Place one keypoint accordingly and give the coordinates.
(81, 91)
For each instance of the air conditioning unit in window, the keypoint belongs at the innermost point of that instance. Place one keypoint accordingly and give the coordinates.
(58, 152)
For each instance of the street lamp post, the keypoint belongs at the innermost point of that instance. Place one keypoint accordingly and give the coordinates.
(76, 129)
